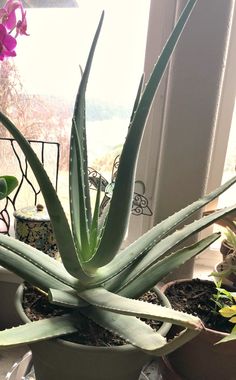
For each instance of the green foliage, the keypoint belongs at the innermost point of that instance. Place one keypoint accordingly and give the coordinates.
(225, 302)
(93, 279)
(231, 236)
(221, 296)
(7, 185)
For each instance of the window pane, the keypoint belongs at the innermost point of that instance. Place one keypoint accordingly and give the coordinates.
(41, 82)
(228, 198)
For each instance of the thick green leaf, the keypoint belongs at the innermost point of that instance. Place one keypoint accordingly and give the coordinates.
(57, 215)
(38, 331)
(121, 202)
(66, 298)
(151, 238)
(129, 328)
(136, 332)
(78, 177)
(137, 99)
(168, 244)
(163, 267)
(229, 337)
(33, 265)
(7, 185)
(179, 340)
(103, 299)
(95, 230)
(78, 208)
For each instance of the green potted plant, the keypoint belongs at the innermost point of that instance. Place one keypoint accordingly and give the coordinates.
(225, 270)
(210, 354)
(228, 245)
(94, 281)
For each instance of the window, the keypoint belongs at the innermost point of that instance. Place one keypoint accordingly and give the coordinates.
(184, 115)
(177, 148)
(46, 74)
(224, 149)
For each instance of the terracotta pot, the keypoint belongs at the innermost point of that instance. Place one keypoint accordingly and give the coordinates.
(57, 359)
(201, 359)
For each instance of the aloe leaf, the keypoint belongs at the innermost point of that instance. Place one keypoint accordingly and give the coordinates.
(121, 201)
(95, 227)
(151, 238)
(137, 99)
(7, 185)
(161, 230)
(132, 329)
(80, 117)
(57, 215)
(78, 207)
(183, 337)
(163, 267)
(38, 331)
(66, 298)
(34, 266)
(170, 242)
(25, 269)
(103, 299)
(229, 337)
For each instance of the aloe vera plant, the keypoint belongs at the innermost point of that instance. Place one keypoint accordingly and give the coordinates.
(93, 276)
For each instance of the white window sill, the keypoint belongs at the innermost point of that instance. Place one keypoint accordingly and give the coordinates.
(206, 262)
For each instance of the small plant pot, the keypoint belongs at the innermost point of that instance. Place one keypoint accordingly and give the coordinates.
(226, 249)
(202, 358)
(33, 227)
(57, 359)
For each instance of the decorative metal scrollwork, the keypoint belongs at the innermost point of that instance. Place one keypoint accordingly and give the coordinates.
(140, 202)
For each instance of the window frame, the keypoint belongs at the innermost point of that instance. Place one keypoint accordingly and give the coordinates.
(156, 158)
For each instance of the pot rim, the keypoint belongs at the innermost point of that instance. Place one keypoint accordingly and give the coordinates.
(206, 329)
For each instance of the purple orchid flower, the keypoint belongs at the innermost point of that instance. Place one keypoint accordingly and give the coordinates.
(7, 44)
(21, 26)
(12, 18)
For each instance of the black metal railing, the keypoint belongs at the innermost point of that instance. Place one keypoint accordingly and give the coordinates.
(13, 162)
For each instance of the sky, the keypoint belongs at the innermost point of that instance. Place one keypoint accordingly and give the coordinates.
(60, 39)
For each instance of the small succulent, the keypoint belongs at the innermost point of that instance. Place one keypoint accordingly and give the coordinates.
(94, 277)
